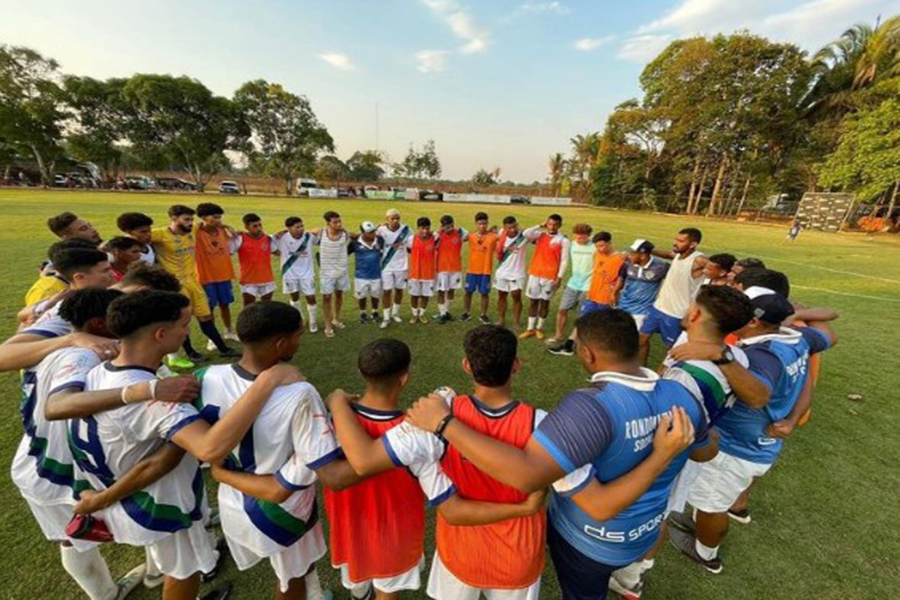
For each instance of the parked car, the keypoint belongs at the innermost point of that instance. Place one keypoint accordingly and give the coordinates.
(304, 185)
(174, 183)
(519, 199)
(229, 187)
(431, 196)
(140, 182)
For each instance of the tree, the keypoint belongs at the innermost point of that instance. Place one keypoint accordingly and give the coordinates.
(31, 107)
(99, 121)
(420, 165)
(366, 165)
(557, 168)
(484, 178)
(331, 168)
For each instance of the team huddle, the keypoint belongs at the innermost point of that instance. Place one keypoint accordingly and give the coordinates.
(115, 440)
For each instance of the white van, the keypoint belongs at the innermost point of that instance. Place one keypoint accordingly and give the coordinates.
(304, 185)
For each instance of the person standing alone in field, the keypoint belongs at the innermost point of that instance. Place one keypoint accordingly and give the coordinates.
(214, 267)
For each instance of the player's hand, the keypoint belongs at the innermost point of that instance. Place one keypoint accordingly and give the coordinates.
(696, 351)
(780, 429)
(428, 412)
(87, 503)
(556, 283)
(535, 501)
(282, 374)
(338, 396)
(216, 470)
(183, 388)
(673, 434)
(105, 348)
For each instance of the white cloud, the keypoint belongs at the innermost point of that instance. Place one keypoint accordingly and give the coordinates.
(543, 7)
(689, 15)
(588, 44)
(643, 48)
(461, 24)
(431, 61)
(337, 60)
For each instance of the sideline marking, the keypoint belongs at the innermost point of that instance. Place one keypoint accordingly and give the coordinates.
(852, 295)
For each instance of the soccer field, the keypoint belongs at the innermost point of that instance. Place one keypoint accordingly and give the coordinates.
(824, 519)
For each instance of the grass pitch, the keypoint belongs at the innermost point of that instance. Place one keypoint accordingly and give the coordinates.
(824, 519)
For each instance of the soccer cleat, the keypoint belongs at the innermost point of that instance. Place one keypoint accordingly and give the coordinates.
(231, 335)
(741, 516)
(413, 320)
(465, 317)
(222, 549)
(130, 581)
(338, 324)
(485, 320)
(450, 318)
(179, 363)
(686, 544)
(526, 334)
(364, 319)
(313, 327)
(329, 333)
(154, 580)
(552, 341)
(220, 593)
(384, 324)
(626, 592)
(376, 316)
(539, 334)
(441, 319)
(397, 318)
(423, 319)
(682, 521)
(210, 346)
(567, 348)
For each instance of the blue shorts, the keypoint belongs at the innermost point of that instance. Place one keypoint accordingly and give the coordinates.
(667, 326)
(589, 306)
(580, 577)
(481, 283)
(219, 293)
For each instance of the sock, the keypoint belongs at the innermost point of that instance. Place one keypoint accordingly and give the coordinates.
(531, 322)
(443, 309)
(313, 586)
(395, 310)
(295, 303)
(152, 569)
(312, 310)
(540, 323)
(630, 576)
(188, 348)
(705, 552)
(209, 330)
(90, 572)
(387, 313)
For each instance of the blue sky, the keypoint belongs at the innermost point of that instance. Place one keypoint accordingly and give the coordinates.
(502, 84)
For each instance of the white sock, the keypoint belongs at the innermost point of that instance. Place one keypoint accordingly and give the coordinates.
(540, 323)
(629, 576)
(444, 308)
(313, 586)
(295, 303)
(705, 552)
(387, 314)
(90, 572)
(312, 310)
(152, 569)
(395, 310)
(531, 322)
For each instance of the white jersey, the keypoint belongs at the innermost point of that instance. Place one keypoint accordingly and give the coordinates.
(394, 259)
(50, 324)
(679, 287)
(291, 437)
(107, 445)
(43, 468)
(333, 257)
(296, 256)
(148, 255)
(513, 254)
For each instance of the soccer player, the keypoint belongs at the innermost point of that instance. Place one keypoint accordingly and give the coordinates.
(138, 226)
(482, 245)
(717, 270)
(124, 251)
(510, 278)
(65, 226)
(581, 256)
(643, 275)
(289, 445)
(612, 438)
(494, 546)
(334, 269)
(766, 392)
(254, 250)
(174, 246)
(422, 269)
(678, 289)
(367, 273)
(450, 239)
(298, 273)
(394, 262)
(548, 265)
(214, 267)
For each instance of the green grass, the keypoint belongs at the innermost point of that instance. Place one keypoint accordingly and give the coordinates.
(824, 518)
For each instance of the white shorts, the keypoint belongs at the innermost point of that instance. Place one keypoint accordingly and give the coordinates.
(367, 288)
(394, 280)
(443, 585)
(639, 320)
(721, 481)
(307, 286)
(539, 288)
(328, 285)
(52, 519)
(447, 281)
(185, 552)
(291, 563)
(411, 580)
(258, 290)
(504, 284)
(682, 485)
(421, 287)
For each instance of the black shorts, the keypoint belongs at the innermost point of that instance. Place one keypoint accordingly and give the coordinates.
(580, 577)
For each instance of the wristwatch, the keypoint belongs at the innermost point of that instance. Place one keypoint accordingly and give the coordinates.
(727, 357)
(443, 425)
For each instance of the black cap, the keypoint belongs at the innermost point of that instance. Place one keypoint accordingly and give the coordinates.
(768, 306)
(641, 245)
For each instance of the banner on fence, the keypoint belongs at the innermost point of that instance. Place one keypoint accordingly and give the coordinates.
(380, 195)
(550, 201)
(322, 192)
(486, 198)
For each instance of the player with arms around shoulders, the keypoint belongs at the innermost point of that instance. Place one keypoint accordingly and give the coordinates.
(450, 239)
(298, 273)
(642, 276)
(367, 249)
(422, 269)
(66, 226)
(482, 245)
(334, 269)
(138, 226)
(548, 265)
(254, 250)
(214, 267)
(511, 275)
(124, 251)
(581, 255)
(394, 261)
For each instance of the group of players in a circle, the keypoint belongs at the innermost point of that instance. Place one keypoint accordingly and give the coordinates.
(623, 457)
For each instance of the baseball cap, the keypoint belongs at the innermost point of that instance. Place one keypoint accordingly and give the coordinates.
(642, 245)
(367, 227)
(769, 306)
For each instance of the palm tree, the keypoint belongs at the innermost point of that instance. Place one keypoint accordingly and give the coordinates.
(557, 166)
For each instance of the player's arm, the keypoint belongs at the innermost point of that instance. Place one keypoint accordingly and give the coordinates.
(338, 475)
(24, 350)
(698, 266)
(72, 403)
(213, 443)
(563, 262)
(264, 487)
(141, 475)
(708, 451)
(367, 456)
(747, 386)
(812, 315)
(460, 511)
(784, 427)
(667, 254)
(533, 233)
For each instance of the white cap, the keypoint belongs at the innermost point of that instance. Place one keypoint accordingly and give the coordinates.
(368, 227)
(392, 212)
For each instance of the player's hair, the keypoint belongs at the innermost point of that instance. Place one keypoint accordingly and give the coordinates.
(209, 209)
(767, 278)
(447, 220)
(61, 222)
(291, 221)
(331, 214)
(509, 220)
(80, 306)
(692, 233)
(72, 244)
(133, 220)
(251, 218)
(130, 313)
(582, 229)
(383, 360)
(262, 321)
(176, 210)
(611, 330)
(724, 260)
(555, 217)
(729, 308)
(750, 262)
(148, 276)
(423, 222)
(481, 216)
(71, 261)
(120, 242)
(491, 352)
(601, 236)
